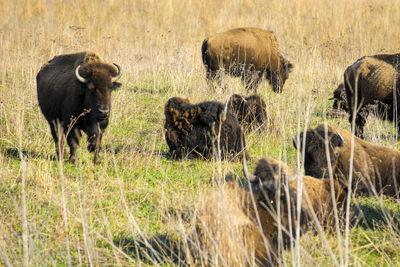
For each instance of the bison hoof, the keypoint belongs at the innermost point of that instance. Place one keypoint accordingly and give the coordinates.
(72, 159)
(96, 160)
(91, 147)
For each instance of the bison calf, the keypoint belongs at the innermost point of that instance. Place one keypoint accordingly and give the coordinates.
(250, 111)
(375, 168)
(193, 130)
(371, 81)
(246, 52)
(74, 94)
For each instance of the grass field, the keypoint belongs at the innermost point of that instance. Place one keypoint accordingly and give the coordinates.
(55, 213)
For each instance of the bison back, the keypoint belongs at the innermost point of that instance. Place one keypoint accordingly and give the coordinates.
(253, 46)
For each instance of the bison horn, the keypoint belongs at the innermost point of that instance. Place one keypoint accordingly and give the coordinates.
(119, 73)
(79, 77)
(225, 110)
(247, 174)
(341, 138)
(332, 98)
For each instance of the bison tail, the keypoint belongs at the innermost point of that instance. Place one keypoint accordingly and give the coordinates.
(204, 56)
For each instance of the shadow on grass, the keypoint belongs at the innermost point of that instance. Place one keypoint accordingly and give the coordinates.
(158, 249)
(13, 153)
(373, 216)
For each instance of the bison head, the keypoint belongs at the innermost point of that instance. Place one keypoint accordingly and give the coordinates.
(339, 97)
(99, 79)
(315, 155)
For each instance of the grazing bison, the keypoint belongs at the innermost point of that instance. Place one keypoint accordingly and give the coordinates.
(246, 52)
(192, 130)
(250, 111)
(371, 81)
(271, 174)
(74, 93)
(340, 99)
(375, 168)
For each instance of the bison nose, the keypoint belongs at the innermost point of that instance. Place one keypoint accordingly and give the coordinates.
(103, 114)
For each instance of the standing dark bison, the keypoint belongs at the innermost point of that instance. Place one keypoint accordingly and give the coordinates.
(250, 111)
(192, 130)
(246, 52)
(74, 93)
(375, 168)
(371, 81)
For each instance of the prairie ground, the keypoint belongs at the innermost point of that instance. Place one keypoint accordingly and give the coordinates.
(55, 213)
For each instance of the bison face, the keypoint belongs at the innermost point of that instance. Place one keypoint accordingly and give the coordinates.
(100, 80)
(339, 97)
(315, 155)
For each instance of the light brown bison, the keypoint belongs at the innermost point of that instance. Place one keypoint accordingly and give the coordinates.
(371, 81)
(251, 111)
(375, 168)
(74, 94)
(272, 176)
(246, 52)
(192, 130)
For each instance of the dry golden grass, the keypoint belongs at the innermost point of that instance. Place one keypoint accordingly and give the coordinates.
(59, 214)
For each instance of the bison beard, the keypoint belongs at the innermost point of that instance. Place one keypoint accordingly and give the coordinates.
(192, 130)
(74, 94)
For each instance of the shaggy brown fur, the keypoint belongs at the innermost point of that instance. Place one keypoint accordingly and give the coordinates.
(250, 111)
(227, 223)
(71, 105)
(246, 52)
(192, 130)
(317, 192)
(371, 81)
(339, 97)
(375, 168)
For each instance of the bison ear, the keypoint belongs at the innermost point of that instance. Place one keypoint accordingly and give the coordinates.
(337, 140)
(115, 85)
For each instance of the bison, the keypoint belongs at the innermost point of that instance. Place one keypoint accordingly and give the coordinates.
(376, 169)
(246, 52)
(371, 81)
(250, 111)
(271, 177)
(339, 98)
(192, 130)
(74, 94)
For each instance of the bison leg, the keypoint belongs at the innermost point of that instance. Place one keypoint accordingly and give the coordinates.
(211, 77)
(94, 144)
(251, 80)
(73, 143)
(361, 119)
(274, 81)
(57, 134)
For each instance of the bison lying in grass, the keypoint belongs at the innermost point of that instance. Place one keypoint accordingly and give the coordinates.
(246, 52)
(271, 177)
(201, 130)
(375, 168)
(371, 81)
(250, 111)
(239, 225)
(74, 93)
